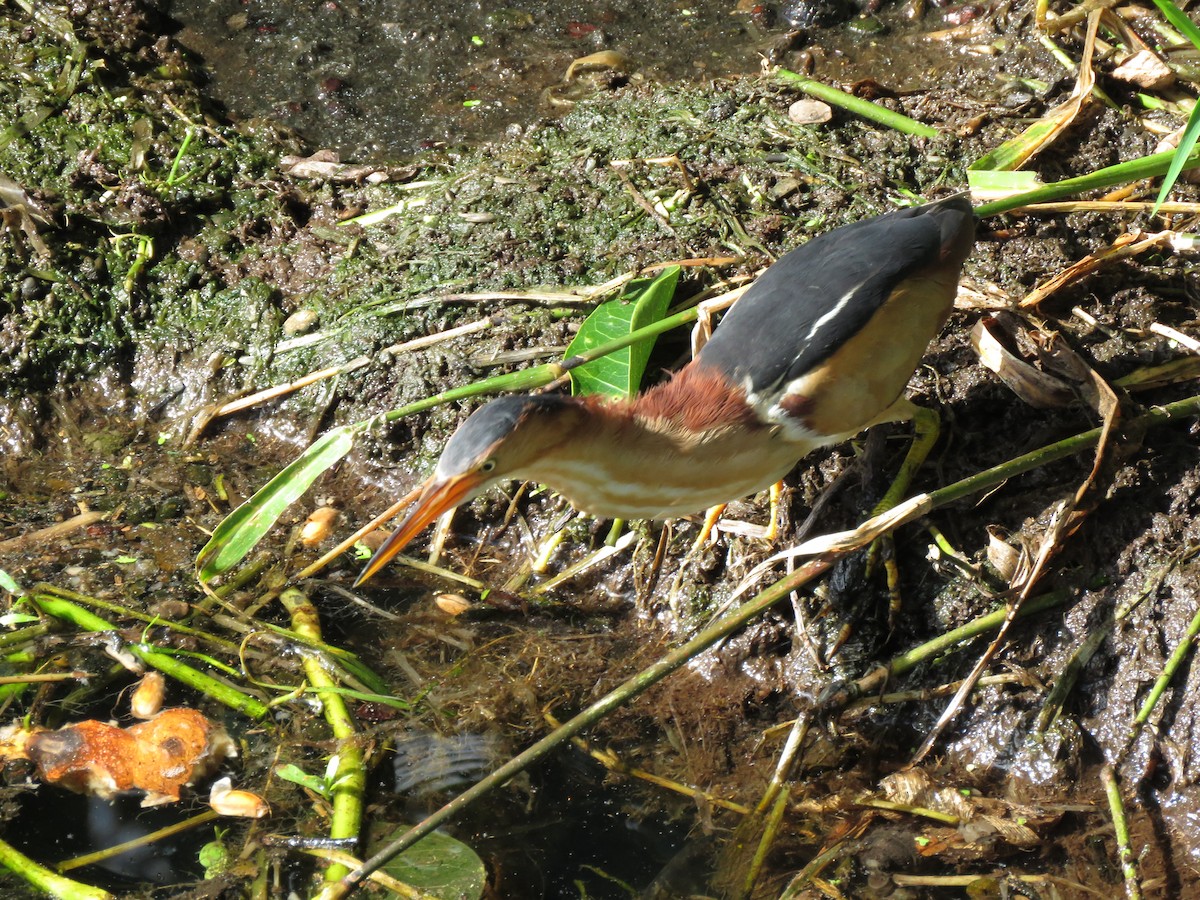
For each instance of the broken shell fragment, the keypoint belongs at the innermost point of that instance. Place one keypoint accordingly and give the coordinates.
(147, 697)
(228, 801)
(318, 526)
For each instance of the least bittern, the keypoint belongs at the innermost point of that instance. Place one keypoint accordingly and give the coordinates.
(819, 348)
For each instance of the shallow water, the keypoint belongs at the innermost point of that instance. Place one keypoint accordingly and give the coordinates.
(391, 77)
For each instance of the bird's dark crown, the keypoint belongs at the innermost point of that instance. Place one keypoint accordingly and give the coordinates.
(491, 424)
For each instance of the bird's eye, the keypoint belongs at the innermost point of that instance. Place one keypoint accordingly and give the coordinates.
(487, 466)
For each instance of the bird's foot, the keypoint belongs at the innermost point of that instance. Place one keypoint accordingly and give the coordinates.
(703, 329)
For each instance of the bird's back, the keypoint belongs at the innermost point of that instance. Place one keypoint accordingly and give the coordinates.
(815, 298)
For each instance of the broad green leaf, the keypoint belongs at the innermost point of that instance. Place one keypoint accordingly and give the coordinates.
(243, 528)
(296, 775)
(442, 866)
(619, 374)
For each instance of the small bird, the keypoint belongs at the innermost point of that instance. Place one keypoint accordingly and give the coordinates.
(819, 348)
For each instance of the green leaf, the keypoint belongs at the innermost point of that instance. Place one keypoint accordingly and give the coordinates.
(1180, 20)
(8, 583)
(982, 181)
(296, 775)
(1013, 152)
(1122, 173)
(619, 374)
(243, 528)
(442, 866)
(1187, 143)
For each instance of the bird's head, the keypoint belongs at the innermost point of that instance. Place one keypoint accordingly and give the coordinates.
(499, 441)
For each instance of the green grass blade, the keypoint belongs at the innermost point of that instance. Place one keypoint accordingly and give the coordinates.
(1002, 182)
(1187, 143)
(619, 374)
(242, 529)
(1110, 176)
(1178, 18)
(1014, 152)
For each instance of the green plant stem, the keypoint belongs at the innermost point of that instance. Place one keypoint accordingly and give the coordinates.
(24, 635)
(540, 376)
(173, 176)
(725, 626)
(1178, 655)
(165, 663)
(1159, 415)
(125, 612)
(865, 108)
(770, 809)
(771, 825)
(99, 856)
(988, 622)
(1122, 173)
(1116, 807)
(350, 779)
(45, 880)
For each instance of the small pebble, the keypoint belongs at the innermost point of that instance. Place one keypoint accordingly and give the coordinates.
(300, 322)
(809, 112)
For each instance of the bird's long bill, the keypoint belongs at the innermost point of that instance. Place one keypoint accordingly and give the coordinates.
(438, 496)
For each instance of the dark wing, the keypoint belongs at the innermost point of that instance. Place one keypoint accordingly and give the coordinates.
(819, 295)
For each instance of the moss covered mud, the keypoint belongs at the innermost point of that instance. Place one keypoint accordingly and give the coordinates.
(159, 263)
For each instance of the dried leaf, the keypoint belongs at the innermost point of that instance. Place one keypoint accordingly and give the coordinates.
(1003, 556)
(1145, 70)
(1035, 387)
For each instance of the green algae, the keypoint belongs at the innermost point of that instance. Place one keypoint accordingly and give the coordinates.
(175, 246)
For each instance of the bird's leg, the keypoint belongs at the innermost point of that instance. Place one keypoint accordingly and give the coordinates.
(711, 515)
(772, 531)
(926, 429)
(768, 532)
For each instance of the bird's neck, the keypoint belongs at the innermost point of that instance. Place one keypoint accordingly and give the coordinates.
(678, 448)
(698, 403)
